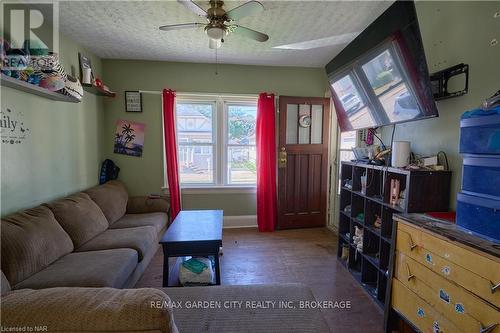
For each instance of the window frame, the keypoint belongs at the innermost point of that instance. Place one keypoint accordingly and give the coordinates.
(220, 140)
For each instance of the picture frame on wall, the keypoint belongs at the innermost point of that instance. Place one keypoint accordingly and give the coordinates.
(133, 101)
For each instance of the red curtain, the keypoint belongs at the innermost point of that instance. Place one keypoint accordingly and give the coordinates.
(171, 151)
(266, 163)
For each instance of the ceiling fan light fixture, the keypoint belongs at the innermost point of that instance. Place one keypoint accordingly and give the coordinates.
(216, 33)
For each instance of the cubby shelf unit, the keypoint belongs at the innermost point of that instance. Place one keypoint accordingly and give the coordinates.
(424, 191)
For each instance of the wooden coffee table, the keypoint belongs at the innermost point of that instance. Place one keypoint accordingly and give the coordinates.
(193, 233)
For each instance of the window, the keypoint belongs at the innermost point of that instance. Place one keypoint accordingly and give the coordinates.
(346, 143)
(216, 141)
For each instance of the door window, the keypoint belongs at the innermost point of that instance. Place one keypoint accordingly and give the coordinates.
(304, 124)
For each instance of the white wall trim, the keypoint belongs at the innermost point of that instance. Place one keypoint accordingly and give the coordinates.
(240, 221)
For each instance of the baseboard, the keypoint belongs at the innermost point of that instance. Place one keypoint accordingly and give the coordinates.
(240, 221)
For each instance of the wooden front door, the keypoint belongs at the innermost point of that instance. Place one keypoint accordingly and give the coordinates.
(303, 161)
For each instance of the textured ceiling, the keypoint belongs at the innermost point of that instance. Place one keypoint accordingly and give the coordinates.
(129, 30)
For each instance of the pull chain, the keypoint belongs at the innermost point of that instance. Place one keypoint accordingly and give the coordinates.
(216, 62)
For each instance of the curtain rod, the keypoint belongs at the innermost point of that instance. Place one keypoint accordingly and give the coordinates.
(181, 94)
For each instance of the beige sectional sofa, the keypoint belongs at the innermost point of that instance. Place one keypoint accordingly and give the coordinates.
(95, 238)
(64, 264)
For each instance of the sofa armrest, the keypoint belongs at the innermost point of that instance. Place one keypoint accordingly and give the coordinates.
(89, 310)
(145, 204)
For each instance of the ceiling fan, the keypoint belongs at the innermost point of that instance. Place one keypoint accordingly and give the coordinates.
(221, 23)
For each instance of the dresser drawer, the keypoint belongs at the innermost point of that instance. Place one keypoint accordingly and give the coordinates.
(476, 273)
(462, 308)
(419, 312)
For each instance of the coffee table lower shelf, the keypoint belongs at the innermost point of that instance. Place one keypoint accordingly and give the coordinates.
(174, 269)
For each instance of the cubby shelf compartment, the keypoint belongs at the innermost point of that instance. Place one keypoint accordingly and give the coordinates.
(369, 268)
(13, 83)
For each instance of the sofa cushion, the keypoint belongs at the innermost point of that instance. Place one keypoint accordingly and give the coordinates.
(89, 310)
(112, 198)
(235, 319)
(146, 204)
(156, 220)
(108, 268)
(80, 217)
(140, 239)
(31, 240)
(5, 285)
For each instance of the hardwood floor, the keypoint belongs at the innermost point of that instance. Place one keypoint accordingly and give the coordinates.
(301, 255)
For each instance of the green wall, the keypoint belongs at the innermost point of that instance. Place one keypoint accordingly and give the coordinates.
(62, 153)
(145, 175)
(454, 32)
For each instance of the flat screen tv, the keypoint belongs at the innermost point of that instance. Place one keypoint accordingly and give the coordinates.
(381, 77)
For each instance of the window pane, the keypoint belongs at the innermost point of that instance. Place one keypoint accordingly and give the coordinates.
(348, 140)
(241, 124)
(386, 81)
(241, 165)
(346, 155)
(196, 164)
(317, 124)
(195, 122)
(292, 123)
(349, 96)
(304, 130)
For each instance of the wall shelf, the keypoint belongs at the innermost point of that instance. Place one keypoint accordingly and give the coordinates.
(11, 82)
(97, 90)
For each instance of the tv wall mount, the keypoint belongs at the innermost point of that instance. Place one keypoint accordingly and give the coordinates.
(439, 81)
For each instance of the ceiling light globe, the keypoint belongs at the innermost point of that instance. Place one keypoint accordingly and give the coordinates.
(215, 33)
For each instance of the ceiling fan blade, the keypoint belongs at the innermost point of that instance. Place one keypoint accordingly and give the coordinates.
(249, 33)
(193, 7)
(245, 9)
(181, 26)
(214, 43)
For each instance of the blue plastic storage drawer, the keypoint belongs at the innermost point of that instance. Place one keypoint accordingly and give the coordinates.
(481, 175)
(480, 135)
(480, 215)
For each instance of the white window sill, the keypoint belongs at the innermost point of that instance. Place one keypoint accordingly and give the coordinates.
(216, 189)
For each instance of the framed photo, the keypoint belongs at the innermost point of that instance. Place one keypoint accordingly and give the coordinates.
(133, 101)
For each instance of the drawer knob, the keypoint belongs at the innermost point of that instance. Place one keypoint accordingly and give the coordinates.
(494, 287)
(412, 245)
(410, 276)
(488, 329)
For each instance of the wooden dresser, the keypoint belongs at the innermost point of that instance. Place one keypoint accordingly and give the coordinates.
(443, 279)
